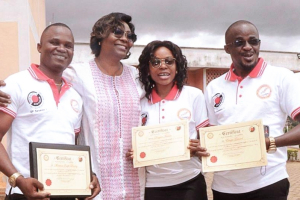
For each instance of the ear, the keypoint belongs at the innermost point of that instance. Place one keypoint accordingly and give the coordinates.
(38, 47)
(226, 48)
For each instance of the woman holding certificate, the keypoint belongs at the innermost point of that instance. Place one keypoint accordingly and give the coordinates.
(163, 72)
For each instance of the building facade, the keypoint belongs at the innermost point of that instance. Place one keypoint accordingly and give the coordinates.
(204, 64)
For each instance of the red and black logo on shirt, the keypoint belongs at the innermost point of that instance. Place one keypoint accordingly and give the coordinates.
(34, 98)
(218, 99)
(144, 118)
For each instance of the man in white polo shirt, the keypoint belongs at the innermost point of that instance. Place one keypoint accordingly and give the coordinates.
(253, 89)
(44, 108)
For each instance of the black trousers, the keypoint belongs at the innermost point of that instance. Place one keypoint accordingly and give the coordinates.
(22, 197)
(194, 189)
(275, 191)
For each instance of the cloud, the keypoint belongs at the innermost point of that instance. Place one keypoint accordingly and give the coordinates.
(198, 23)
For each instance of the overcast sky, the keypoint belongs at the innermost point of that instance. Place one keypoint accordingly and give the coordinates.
(188, 23)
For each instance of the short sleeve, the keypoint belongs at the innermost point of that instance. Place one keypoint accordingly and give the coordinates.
(200, 111)
(13, 89)
(290, 94)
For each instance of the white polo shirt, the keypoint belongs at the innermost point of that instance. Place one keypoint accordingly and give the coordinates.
(188, 104)
(268, 93)
(41, 114)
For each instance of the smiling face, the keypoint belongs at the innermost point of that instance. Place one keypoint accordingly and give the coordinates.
(165, 74)
(56, 49)
(244, 57)
(116, 47)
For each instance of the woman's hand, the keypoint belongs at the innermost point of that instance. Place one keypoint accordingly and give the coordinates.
(129, 154)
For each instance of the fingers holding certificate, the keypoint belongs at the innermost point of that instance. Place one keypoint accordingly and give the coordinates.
(236, 146)
(160, 143)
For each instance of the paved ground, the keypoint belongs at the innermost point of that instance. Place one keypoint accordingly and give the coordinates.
(293, 169)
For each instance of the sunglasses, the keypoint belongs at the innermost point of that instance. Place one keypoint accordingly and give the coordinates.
(239, 42)
(119, 33)
(156, 62)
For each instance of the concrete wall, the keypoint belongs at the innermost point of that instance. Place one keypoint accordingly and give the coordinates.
(21, 24)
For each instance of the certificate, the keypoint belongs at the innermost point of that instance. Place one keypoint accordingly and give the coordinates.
(235, 146)
(160, 143)
(65, 170)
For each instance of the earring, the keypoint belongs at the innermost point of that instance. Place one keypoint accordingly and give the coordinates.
(128, 54)
(99, 44)
(176, 71)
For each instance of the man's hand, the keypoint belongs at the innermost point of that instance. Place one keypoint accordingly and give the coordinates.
(196, 149)
(95, 186)
(30, 186)
(4, 98)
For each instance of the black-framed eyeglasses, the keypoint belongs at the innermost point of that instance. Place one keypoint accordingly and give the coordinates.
(119, 33)
(239, 42)
(156, 62)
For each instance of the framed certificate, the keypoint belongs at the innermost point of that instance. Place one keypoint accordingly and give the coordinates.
(161, 143)
(235, 146)
(65, 170)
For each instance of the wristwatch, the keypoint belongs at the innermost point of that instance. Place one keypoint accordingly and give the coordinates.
(272, 147)
(13, 179)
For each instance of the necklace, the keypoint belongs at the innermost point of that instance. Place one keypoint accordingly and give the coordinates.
(59, 84)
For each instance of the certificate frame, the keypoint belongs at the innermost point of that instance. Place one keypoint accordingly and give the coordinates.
(148, 143)
(62, 156)
(235, 146)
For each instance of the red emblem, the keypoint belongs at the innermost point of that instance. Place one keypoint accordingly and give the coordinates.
(142, 154)
(252, 129)
(48, 182)
(35, 99)
(144, 118)
(213, 159)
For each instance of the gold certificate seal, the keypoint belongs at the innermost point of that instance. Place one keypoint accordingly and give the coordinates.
(46, 157)
(140, 133)
(210, 135)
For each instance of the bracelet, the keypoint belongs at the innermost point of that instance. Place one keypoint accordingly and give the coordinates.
(272, 147)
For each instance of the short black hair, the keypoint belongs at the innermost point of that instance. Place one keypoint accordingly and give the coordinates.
(235, 24)
(57, 24)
